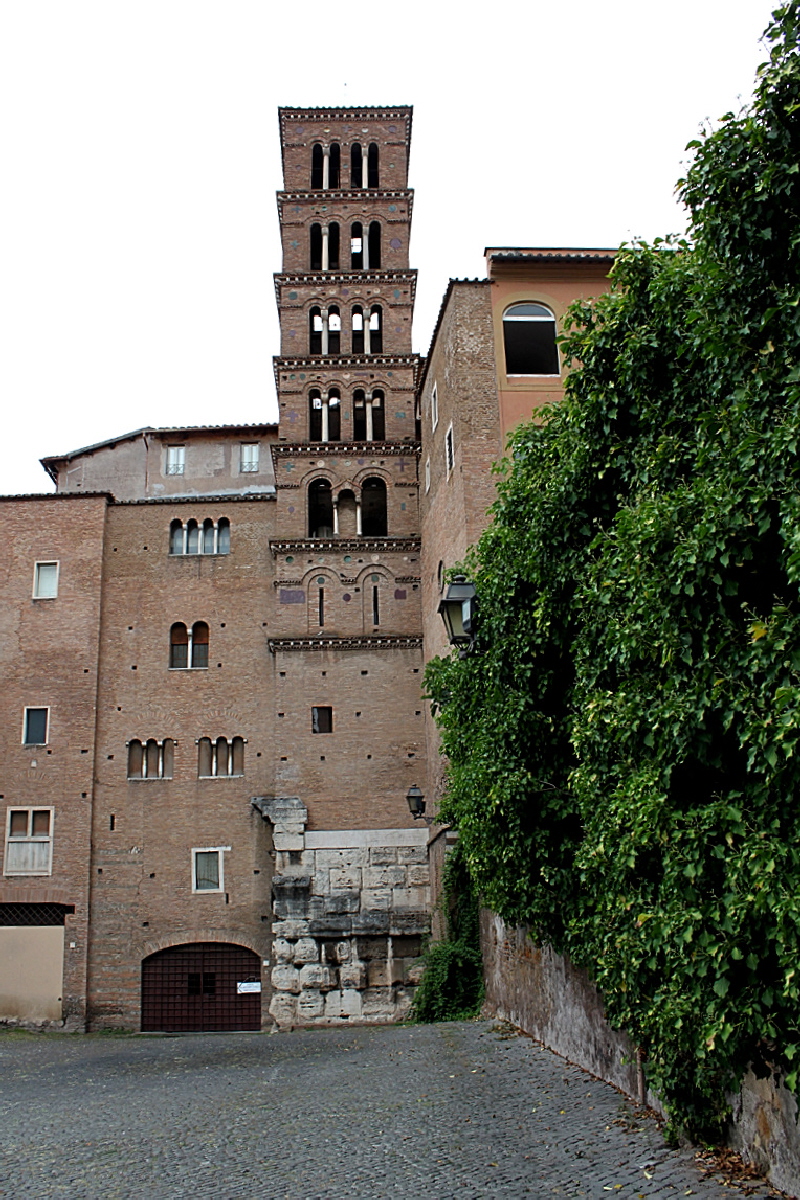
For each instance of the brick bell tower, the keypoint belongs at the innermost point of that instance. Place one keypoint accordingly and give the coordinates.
(350, 892)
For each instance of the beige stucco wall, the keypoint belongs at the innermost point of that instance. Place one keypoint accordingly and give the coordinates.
(31, 968)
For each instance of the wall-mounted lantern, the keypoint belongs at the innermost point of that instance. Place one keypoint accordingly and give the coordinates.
(458, 609)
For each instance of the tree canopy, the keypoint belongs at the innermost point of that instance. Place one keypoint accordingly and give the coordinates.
(624, 742)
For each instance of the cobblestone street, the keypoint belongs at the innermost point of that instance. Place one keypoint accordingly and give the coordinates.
(435, 1111)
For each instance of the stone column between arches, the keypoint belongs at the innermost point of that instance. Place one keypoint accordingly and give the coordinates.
(350, 909)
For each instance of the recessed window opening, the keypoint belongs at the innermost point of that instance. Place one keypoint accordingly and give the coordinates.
(375, 329)
(321, 720)
(315, 246)
(35, 726)
(29, 842)
(374, 245)
(334, 168)
(373, 508)
(316, 167)
(359, 415)
(434, 408)
(369, 422)
(220, 758)
(448, 450)
(333, 247)
(191, 538)
(372, 165)
(208, 875)
(151, 759)
(315, 331)
(356, 246)
(321, 606)
(45, 580)
(357, 330)
(320, 509)
(248, 457)
(376, 612)
(188, 647)
(334, 331)
(176, 460)
(356, 166)
(378, 417)
(529, 338)
(427, 475)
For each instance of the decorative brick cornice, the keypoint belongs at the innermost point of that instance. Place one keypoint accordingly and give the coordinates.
(340, 362)
(366, 450)
(327, 279)
(327, 545)
(320, 195)
(280, 645)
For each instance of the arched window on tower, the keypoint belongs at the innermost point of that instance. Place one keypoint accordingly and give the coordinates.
(357, 330)
(199, 639)
(315, 331)
(333, 246)
(378, 416)
(176, 537)
(374, 244)
(356, 166)
(315, 240)
(373, 508)
(192, 537)
(178, 645)
(334, 415)
(359, 416)
(376, 329)
(372, 166)
(356, 246)
(529, 338)
(316, 167)
(334, 170)
(315, 415)
(320, 509)
(334, 330)
(369, 423)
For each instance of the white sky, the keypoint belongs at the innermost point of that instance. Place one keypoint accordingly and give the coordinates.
(140, 160)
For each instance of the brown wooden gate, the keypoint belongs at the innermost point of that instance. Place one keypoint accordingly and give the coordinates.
(193, 989)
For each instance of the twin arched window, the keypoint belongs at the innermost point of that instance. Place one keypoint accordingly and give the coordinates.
(529, 338)
(220, 757)
(326, 166)
(212, 537)
(151, 759)
(323, 511)
(325, 330)
(188, 647)
(325, 415)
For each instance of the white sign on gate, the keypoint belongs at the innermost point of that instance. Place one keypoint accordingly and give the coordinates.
(242, 989)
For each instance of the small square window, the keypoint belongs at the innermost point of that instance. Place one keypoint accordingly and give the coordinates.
(176, 460)
(35, 726)
(249, 457)
(208, 869)
(322, 720)
(29, 842)
(45, 581)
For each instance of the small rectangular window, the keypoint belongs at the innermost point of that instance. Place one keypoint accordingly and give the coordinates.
(29, 842)
(208, 869)
(427, 475)
(448, 450)
(248, 461)
(434, 408)
(45, 580)
(322, 720)
(176, 460)
(35, 726)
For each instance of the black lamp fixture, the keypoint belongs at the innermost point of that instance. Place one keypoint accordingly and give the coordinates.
(416, 802)
(458, 609)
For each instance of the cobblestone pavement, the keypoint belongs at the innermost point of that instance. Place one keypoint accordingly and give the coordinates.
(432, 1111)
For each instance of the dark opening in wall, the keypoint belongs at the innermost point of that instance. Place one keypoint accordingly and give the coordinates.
(357, 330)
(356, 246)
(333, 246)
(320, 509)
(376, 329)
(373, 508)
(334, 170)
(372, 166)
(316, 167)
(315, 331)
(374, 244)
(315, 238)
(334, 330)
(529, 338)
(356, 166)
(322, 720)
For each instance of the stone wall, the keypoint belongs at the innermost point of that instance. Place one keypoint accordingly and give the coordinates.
(545, 995)
(350, 909)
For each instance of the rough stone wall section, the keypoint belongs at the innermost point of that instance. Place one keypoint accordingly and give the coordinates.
(350, 909)
(544, 994)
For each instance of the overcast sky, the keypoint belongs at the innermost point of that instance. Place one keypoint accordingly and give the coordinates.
(140, 161)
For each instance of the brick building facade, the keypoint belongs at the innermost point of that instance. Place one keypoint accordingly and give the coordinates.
(213, 638)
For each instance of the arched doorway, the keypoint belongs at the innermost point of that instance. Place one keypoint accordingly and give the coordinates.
(199, 988)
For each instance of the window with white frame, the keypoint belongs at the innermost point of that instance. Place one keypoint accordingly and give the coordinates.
(45, 580)
(208, 868)
(427, 474)
(176, 460)
(35, 726)
(248, 459)
(529, 340)
(29, 842)
(434, 408)
(448, 450)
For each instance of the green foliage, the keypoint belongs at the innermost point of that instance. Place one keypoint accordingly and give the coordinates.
(452, 987)
(624, 745)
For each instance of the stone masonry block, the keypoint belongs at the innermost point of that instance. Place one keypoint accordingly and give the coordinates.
(310, 1005)
(377, 1002)
(415, 971)
(371, 923)
(286, 979)
(306, 951)
(345, 879)
(343, 902)
(410, 897)
(288, 841)
(283, 1009)
(353, 975)
(346, 1003)
(418, 876)
(376, 898)
(293, 928)
(342, 859)
(412, 854)
(314, 975)
(378, 975)
(383, 856)
(282, 950)
(378, 877)
(410, 920)
(334, 953)
(336, 924)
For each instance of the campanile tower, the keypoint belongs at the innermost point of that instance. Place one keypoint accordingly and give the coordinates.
(351, 885)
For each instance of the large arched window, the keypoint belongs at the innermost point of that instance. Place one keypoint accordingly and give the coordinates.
(334, 330)
(315, 331)
(357, 330)
(316, 167)
(315, 247)
(372, 166)
(373, 508)
(356, 166)
(320, 509)
(529, 338)
(374, 244)
(376, 329)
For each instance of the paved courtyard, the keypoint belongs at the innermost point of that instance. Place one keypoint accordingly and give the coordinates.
(434, 1111)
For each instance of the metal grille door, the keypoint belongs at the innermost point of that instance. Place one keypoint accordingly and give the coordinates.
(193, 989)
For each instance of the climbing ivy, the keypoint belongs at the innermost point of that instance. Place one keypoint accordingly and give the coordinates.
(624, 743)
(451, 988)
